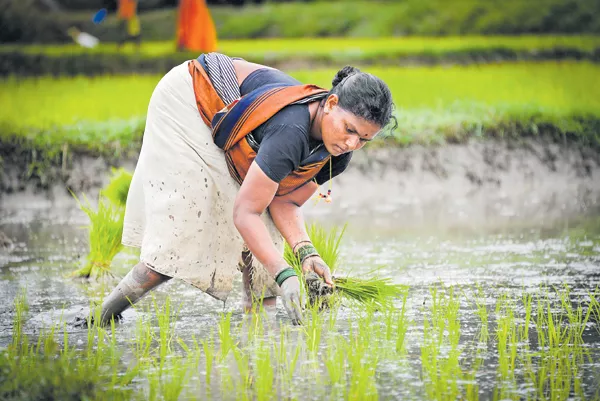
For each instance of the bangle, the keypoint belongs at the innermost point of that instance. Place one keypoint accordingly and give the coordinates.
(306, 241)
(284, 275)
(306, 251)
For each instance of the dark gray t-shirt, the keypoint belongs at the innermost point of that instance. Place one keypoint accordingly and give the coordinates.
(284, 139)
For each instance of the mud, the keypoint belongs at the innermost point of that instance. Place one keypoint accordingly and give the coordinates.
(479, 182)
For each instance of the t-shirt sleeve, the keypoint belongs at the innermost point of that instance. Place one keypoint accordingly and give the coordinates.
(281, 150)
(339, 165)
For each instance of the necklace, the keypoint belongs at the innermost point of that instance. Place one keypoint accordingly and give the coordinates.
(327, 197)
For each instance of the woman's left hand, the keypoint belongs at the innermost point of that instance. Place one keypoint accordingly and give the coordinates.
(317, 265)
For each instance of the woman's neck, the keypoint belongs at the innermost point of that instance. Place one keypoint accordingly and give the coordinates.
(316, 115)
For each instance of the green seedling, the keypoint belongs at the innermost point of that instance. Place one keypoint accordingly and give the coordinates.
(104, 233)
(118, 187)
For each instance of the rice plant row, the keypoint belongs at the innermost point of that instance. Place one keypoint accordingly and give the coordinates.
(414, 350)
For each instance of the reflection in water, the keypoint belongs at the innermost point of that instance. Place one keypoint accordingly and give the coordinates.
(489, 312)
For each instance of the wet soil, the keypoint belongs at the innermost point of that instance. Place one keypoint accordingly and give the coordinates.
(480, 181)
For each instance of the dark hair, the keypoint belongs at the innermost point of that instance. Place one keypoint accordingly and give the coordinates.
(364, 95)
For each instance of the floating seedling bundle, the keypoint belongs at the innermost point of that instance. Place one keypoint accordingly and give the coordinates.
(377, 290)
(117, 189)
(105, 231)
(106, 225)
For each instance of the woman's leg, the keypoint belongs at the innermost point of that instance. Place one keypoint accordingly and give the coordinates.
(139, 281)
(250, 300)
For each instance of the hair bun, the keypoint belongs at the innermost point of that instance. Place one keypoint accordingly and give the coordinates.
(344, 73)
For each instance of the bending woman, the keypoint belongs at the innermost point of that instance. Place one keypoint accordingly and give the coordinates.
(231, 151)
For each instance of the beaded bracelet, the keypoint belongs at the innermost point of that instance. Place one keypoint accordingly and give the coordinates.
(284, 275)
(306, 251)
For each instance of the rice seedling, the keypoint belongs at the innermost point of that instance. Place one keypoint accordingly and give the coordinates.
(286, 361)
(440, 350)
(378, 290)
(243, 365)
(174, 377)
(594, 307)
(104, 236)
(506, 334)
(313, 330)
(62, 372)
(335, 364)
(577, 319)
(482, 312)
(402, 325)
(527, 300)
(118, 187)
(362, 366)
(208, 347)
(227, 344)
(19, 341)
(226, 382)
(264, 378)
(143, 340)
(166, 318)
(553, 370)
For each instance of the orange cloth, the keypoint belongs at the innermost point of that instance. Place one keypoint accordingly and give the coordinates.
(127, 9)
(238, 153)
(195, 28)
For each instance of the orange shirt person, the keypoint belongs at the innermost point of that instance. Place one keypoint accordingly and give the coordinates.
(130, 22)
(126, 9)
(195, 28)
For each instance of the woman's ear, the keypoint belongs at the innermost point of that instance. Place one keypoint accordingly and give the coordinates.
(330, 103)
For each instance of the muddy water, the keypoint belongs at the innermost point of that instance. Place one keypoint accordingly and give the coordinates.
(510, 257)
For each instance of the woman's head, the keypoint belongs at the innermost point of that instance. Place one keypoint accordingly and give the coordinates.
(359, 106)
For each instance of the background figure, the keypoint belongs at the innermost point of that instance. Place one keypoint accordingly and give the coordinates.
(130, 22)
(195, 28)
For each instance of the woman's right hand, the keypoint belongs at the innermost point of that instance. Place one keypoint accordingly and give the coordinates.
(290, 295)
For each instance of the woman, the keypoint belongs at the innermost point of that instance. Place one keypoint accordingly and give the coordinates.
(214, 183)
(195, 27)
(130, 22)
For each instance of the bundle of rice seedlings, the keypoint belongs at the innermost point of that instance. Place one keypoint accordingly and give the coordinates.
(118, 187)
(105, 231)
(379, 291)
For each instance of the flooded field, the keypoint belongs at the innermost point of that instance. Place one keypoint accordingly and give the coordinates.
(508, 311)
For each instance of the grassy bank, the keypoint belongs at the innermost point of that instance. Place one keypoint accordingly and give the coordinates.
(159, 57)
(331, 18)
(42, 119)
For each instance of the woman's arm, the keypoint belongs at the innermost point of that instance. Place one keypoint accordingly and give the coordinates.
(255, 195)
(287, 215)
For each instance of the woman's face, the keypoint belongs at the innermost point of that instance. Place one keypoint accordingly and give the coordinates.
(342, 131)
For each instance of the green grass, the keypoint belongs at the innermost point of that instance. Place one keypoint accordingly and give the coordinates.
(160, 56)
(45, 122)
(332, 18)
(106, 114)
(333, 48)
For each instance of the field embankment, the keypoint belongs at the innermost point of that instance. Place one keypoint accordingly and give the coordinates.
(159, 57)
